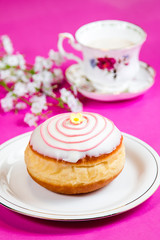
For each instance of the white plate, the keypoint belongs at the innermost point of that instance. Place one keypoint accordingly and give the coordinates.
(143, 81)
(136, 183)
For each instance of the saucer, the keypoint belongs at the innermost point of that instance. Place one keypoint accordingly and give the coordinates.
(142, 82)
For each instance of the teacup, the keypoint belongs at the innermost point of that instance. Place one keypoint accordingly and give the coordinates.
(110, 51)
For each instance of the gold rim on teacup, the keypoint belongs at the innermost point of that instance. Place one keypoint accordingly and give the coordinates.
(112, 23)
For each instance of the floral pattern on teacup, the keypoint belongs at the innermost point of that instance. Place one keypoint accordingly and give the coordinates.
(110, 64)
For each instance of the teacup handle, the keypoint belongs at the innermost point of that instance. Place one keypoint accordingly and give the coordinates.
(71, 41)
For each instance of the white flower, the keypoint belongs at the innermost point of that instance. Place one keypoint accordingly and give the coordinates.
(64, 94)
(12, 79)
(2, 64)
(47, 82)
(21, 61)
(40, 99)
(58, 75)
(30, 119)
(20, 89)
(56, 57)
(7, 44)
(38, 104)
(47, 77)
(32, 87)
(13, 75)
(73, 103)
(5, 74)
(48, 91)
(11, 60)
(36, 107)
(21, 75)
(37, 77)
(47, 63)
(38, 66)
(7, 103)
(21, 105)
(44, 77)
(14, 61)
(42, 63)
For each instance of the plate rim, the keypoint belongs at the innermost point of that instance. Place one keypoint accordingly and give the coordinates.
(96, 215)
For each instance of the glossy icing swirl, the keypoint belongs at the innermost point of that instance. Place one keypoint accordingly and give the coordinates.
(59, 138)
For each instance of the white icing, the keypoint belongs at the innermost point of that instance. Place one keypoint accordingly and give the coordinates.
(94, 139)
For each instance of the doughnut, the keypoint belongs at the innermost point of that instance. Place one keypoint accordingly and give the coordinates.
(75, 153)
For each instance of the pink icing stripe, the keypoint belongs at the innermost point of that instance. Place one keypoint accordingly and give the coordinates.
(79, 135)
(73, 135)
(73, 128)
(79, 150)
(68, 142)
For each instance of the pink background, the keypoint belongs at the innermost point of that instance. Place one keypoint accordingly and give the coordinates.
(34, 27)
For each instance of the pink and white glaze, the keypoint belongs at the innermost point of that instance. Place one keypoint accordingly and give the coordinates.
(59, 138)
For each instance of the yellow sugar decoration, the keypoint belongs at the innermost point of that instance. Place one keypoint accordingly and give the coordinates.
(76, 118)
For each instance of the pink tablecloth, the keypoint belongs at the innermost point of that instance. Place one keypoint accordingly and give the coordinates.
(34, 26)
